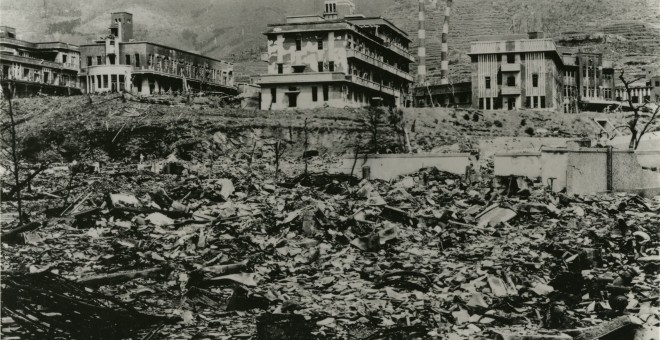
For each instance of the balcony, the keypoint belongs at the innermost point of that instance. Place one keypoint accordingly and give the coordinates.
(176, 73)
(294, 78)
(372, 85)
(510, 91)
(373, 61)
(38, 62)
(510, 68)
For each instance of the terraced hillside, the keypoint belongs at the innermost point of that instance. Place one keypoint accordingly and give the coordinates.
(627, 31)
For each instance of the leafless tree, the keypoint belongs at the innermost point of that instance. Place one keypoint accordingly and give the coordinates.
(8, 93)
(636, 133)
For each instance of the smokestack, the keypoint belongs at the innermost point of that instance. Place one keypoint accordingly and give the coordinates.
(444, 63)
(421, 52)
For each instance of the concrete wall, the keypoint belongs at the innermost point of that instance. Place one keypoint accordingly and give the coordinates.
(389, 166)
(587, 171)
(581, 171)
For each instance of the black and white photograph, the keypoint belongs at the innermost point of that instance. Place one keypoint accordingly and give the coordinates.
(330, 169)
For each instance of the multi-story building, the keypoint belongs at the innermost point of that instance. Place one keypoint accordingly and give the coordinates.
(117, 62)
(588, 82)
(527, 71)
(339, 59)
(32, 68)
(643, 90)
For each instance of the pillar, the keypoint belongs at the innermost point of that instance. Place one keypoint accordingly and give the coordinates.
(145, 86)
(156, 86)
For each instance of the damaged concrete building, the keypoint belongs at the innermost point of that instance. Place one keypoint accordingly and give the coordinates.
(339, 59)
(34, 68)
(528, 71)
(118, 62)
(643, 90)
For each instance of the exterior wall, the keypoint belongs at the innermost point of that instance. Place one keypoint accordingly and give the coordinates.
(50, 67)
(361, 67)
(387, 167)
(581, 171)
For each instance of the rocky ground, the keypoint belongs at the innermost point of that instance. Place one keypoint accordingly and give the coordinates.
(231, 252)
(227, 242)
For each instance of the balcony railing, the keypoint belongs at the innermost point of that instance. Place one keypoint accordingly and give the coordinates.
(38, 62)
(510, 67)
(32, 79)
(372, 85)
(533, 45)
(308, 77)
(510, 90)
(173, 71)
(371, 60)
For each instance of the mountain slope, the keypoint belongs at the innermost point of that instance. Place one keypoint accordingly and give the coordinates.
(627, 31)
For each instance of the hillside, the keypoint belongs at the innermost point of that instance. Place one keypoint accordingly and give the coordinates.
(627, 31)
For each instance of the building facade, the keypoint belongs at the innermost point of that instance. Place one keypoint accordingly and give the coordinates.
(588, 82)
(33, 68)
(117, 62)
(642, 91)
(449, 95)
(339, 60)
(527, 71)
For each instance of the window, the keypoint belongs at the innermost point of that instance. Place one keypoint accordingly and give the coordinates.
(105, 81)
(511, 81)
(99, 84)
(111, 59)
(535, 80)
(89, 61)
(511, 58)
(487, 103)
(319, 43)
(522, 57)
(128, 59)
(542, 102)
(320, 66)
(64, 58)
(273, 95)
(647, 99)
(481, 103)
(331, 66)
(137, 60)
(487, 82)
(280, 68)
(657, 83)
(326, 93)
(536, 102)
(298, 43)
(293, 96)
(315, 95)
(99, 60)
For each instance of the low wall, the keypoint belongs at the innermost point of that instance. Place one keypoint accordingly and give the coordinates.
(582, 171)
(389, 166)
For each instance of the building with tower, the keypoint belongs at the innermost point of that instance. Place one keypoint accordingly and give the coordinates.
(117, 62)
(337, 59)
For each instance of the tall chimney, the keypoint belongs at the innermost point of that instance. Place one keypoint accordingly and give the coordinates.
(421, 52)
(444, 63)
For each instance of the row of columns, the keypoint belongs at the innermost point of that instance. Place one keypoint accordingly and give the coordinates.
(639, 92)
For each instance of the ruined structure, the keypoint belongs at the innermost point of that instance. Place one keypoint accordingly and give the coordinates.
(517, 71)
(32, 68)
(339, 59)
(642, 91)
(118, 62)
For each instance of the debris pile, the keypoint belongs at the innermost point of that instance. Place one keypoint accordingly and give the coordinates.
(232, 253)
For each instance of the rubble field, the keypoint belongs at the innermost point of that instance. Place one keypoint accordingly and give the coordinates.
(231, 251)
